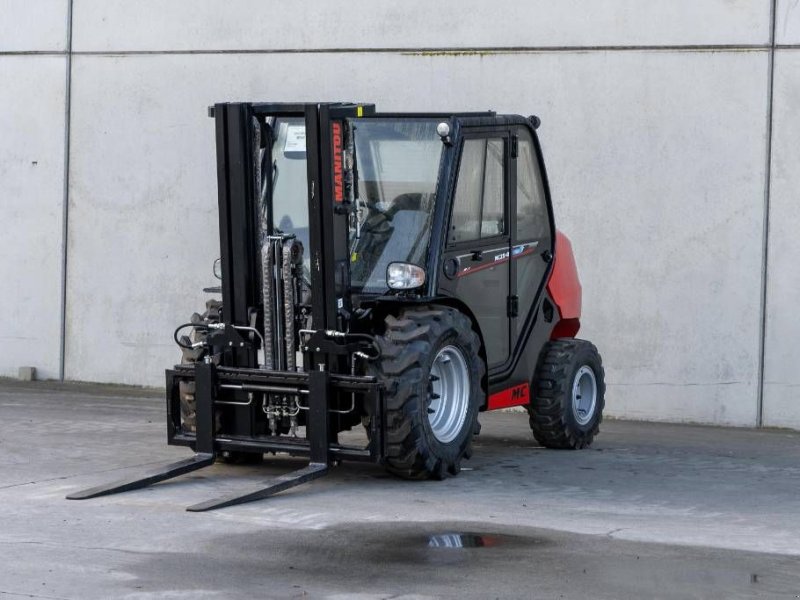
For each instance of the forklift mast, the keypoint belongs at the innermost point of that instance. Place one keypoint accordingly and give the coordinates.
(227, 385)
(238, 127)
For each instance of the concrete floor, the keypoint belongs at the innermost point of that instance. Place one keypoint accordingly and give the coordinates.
(650, 511)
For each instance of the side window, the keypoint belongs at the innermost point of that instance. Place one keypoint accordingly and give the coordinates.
(493, 213)
(532, 220)
(478, 204)
(465, 222)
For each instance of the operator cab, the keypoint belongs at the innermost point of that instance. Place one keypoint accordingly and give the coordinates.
(395, 171)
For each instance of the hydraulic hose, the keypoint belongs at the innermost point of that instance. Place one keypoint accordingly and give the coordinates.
(175, 335)
(369, 339)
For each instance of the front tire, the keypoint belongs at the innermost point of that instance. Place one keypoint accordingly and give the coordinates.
(569, 395)
(432, 372)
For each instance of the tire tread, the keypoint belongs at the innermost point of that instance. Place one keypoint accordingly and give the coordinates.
(552, 390)
(406, 346)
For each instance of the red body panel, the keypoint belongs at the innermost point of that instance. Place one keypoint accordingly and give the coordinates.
(564, 288)
(517, 395)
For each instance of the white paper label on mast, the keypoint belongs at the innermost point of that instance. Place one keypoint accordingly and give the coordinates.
(295, 139)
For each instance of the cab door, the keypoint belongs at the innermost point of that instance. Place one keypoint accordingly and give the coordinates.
(531, 232)
(476, 259)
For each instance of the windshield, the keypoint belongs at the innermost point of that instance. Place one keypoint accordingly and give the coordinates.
(398, 168)
(290, 179)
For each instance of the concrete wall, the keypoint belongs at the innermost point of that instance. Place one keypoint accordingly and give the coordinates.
(781, 375)
(33, 38)
(191, 25)
(655, 126)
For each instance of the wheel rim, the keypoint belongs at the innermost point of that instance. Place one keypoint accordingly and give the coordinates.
(584, 395)
(449, 397)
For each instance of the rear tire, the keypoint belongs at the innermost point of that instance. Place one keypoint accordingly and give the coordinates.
(432, 372)
(569, 395)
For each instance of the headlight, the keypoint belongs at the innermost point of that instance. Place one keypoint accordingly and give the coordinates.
(404, 276)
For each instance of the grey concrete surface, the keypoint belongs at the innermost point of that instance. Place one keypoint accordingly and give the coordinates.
(650, 511)
(108, 26)
(781, 375)
(787, 27)
(32, 96)
(39, 26)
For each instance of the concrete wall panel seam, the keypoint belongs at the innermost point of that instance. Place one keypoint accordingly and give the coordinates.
(444, 50)
(765, 225)
(32, 53)
(65, 201)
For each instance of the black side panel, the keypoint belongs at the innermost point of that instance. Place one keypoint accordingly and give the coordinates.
(322, 297)
(238, 208)
(238, 227)
(319, 221)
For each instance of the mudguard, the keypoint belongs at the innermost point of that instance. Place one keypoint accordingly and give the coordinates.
(564, 287)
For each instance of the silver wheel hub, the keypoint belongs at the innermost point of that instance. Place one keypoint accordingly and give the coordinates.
(449, 394)
(584, 395)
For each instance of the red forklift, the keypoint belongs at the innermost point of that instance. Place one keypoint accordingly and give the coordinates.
(399, 272)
